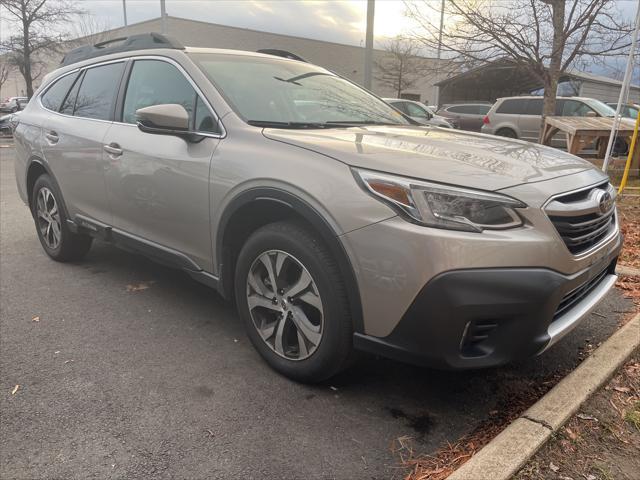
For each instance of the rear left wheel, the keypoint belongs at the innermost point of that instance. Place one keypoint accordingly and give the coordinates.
(60, 243)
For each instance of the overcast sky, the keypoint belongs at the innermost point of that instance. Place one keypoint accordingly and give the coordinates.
(337, 20)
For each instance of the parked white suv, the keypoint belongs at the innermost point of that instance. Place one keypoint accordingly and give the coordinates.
(330, 221)
(521, 117)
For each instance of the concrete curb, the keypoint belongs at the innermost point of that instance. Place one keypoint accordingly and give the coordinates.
(503, 456)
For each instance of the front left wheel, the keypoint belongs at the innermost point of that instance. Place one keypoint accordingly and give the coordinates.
(293, 302)
(57, 240)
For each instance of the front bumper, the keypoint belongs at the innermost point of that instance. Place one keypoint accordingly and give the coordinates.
(486, 317)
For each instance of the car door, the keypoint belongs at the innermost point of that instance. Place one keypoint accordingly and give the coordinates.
(74, 133)
(158, 185)
(530, 119)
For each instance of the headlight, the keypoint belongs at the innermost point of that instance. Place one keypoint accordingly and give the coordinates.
(442, 206)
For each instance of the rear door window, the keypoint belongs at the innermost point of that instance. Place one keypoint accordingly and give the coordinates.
(534, 106)
(54, 95)
(515, 106)
(97, 94)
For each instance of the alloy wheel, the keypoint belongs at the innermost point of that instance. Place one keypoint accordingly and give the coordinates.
(48, 218)
(285, 305)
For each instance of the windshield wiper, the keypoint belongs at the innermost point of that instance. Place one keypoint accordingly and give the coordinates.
(362, 122)
(274, 124)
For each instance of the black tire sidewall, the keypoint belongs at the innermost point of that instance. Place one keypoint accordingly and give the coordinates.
(336, 341)
(65, 234)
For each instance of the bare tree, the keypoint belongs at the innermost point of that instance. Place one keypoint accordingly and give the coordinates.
(542, 37)
(400, 68)
(5, 70)
(40, 25)
(87, 29)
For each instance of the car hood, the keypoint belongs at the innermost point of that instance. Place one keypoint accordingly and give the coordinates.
(437, 154)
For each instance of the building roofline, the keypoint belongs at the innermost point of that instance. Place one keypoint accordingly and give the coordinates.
(252, 30)
(507, 64)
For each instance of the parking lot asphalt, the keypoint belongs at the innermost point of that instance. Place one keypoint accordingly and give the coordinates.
(134, 370)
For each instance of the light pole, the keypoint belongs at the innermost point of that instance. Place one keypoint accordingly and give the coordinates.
(124, 11)
(624, 90)
(368, 47)
(437, 99)
(163, 17)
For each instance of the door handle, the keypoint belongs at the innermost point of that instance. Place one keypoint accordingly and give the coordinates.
(113, 149)
(52, 137)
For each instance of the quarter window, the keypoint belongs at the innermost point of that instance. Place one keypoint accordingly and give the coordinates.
(98, 91)
(54, 95)
(70, 100)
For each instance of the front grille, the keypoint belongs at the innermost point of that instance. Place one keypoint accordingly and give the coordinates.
(577, 294)
(580, 218)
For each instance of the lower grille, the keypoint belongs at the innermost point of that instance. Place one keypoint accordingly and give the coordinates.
(577, 294)
(584, 218)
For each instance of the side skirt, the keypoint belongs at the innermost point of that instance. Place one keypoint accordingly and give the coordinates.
(132, 243)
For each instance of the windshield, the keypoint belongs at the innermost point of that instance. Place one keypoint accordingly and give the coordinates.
(286, 93)
(601, 108)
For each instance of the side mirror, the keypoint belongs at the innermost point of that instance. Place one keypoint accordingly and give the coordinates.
(165, 119)
(591, 114)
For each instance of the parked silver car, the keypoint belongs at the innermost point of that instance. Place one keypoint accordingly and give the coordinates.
(420, 113)
(335, 227)
(521, 117)
(13, 104)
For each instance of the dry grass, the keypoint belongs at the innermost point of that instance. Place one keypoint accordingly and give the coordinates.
(629, 214)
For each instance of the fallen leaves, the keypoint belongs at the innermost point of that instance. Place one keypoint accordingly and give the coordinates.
(35, 319)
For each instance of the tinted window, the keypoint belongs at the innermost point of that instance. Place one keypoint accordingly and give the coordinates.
(416, 111)
(53, 97)
(465, 109)
(70, 100)
(534, 106)
(515, 106)
(205, 121)
(483, 109)
(153, 82)
(402, 106)
(98, 91)
(574, 108)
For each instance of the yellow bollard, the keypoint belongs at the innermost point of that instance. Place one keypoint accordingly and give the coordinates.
(632, 147)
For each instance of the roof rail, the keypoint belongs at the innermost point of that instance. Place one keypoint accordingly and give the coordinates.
(281, 53)
(143, 41)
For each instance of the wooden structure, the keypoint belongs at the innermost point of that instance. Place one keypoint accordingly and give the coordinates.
(584, 131)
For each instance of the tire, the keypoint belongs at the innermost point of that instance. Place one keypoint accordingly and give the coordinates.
(315, 343)
(506, 132)
(60, 243)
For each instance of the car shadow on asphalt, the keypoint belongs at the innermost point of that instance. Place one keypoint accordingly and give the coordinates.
(421, 399)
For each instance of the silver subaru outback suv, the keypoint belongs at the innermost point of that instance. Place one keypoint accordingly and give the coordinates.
(332, 221)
